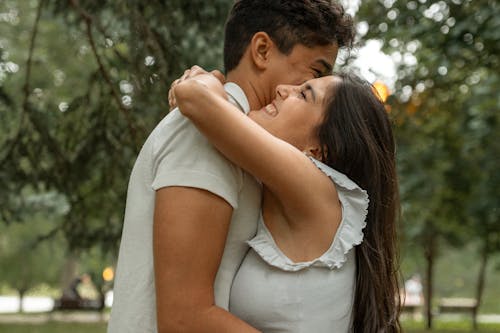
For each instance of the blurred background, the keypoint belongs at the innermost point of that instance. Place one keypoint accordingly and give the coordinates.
(83, 82)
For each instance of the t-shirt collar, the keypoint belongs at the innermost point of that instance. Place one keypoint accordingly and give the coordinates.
(238, 96)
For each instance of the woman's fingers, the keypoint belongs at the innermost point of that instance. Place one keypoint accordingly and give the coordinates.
(190, 73)
(185, 75)
(172, 103)
(197, 70)
(219, 76)
(171, 99)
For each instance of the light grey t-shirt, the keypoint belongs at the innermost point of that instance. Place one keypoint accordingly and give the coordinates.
(177, 154)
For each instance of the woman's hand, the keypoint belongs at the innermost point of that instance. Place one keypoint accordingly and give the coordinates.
(196, 95)
(188, 74)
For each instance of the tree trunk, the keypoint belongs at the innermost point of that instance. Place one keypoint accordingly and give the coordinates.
(70, 270)
(430, 254)
(21, 292)
(102, 298)
(481, 279)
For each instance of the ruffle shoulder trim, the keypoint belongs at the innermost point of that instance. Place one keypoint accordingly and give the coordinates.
(354, 202)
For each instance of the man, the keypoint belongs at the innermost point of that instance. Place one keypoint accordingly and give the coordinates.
(189, 210)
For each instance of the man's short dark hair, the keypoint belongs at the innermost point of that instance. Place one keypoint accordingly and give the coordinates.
(288, 22)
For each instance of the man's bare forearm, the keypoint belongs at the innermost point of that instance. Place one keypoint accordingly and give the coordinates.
(209, 320)
(190, 230)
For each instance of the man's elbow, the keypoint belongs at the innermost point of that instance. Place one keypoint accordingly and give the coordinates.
(173, 325)
(179, 321)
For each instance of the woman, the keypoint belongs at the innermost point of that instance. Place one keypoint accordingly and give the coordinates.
(320, 150)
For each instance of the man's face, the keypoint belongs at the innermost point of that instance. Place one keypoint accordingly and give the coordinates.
(302, 64)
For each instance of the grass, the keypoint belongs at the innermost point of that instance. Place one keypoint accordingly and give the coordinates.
(410, 327)
(460, 326)
(54, 327)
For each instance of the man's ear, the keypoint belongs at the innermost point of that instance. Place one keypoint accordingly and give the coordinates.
(261, 47)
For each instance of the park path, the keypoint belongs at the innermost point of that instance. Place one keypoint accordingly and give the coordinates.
(69, 317)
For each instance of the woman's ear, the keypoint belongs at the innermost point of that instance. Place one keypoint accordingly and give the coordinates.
(314, 152)
(261, 46)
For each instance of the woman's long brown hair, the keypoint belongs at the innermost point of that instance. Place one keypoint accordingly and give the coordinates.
(357, 140)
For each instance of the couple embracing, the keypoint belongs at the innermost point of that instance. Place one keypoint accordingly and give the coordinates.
(268, 203)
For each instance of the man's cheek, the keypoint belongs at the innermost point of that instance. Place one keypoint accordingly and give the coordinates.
(303, 77)
(297, 79)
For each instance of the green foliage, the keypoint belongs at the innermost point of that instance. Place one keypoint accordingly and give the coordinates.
(446, 110)
(90, 84)
(25, 259)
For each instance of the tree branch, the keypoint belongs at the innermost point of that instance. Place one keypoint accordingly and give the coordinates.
(44, 237)
(88, 19)
(26, 87)
(153, 42)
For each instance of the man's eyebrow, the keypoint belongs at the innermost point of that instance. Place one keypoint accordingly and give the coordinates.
(326, 64)
(310, 88)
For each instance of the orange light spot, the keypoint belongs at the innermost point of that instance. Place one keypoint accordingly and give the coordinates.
(108, 274)
(381, 90)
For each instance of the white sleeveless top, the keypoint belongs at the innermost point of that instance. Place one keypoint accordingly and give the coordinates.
(274, 294)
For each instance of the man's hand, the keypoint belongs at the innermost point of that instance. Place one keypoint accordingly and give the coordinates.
(189, 73)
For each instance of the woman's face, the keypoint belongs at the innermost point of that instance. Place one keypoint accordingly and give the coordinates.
(296, 113)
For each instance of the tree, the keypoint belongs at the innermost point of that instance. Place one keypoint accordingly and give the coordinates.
(445, 108)
(83, 83)
(25, 259)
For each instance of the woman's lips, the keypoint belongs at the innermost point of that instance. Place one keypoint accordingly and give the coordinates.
(271, 110)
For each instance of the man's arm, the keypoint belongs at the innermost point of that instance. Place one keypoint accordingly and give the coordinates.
(190, 229)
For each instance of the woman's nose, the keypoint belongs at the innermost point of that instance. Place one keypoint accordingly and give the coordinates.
(283, 91)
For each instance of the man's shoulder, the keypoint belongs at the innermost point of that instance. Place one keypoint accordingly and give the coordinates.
(180, 155)
(177, 134)
(172, 120)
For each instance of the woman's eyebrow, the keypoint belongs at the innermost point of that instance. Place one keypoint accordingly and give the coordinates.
(310, 88)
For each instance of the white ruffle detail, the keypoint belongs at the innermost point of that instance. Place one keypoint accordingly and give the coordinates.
(354, 202)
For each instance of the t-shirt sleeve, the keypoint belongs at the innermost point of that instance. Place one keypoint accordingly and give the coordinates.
(182, 156)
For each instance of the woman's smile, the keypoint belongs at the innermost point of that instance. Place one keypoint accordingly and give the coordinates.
(270, 109)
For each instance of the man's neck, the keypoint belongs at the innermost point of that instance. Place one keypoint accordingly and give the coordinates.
(248, 86)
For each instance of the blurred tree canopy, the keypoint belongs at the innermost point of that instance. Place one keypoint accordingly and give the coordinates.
(25, 260)
(82, 83)
(446, 106)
